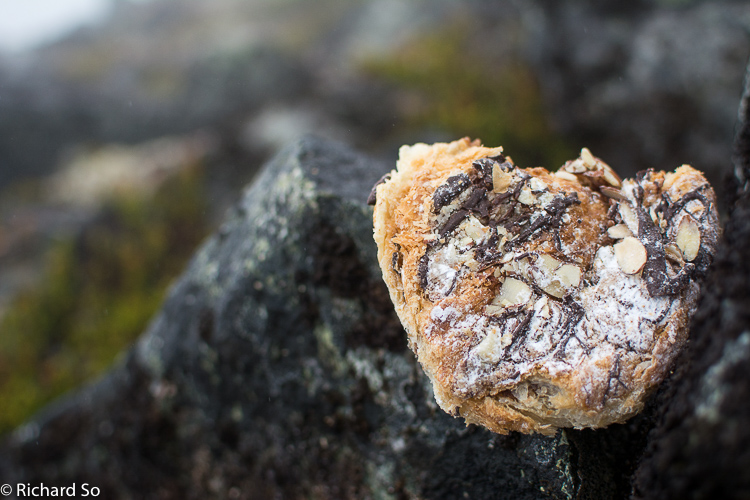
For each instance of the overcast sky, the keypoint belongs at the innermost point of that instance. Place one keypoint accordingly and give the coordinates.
(26, 23)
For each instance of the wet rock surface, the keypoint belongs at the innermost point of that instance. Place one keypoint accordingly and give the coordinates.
(277, 369)
(663, 75)
(699, 448)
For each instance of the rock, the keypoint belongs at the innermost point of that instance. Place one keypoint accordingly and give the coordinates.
(278, 369)
(701, 446)
(648, 84)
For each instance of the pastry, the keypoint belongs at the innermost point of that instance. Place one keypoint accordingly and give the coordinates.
(537, 300)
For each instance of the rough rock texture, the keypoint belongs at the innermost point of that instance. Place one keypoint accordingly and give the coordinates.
(700, 448)
(277, 369)
(662, 75)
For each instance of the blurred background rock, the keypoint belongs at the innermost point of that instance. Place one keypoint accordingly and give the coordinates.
(123, 142)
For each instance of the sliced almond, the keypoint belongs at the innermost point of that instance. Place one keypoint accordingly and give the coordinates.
(630, 254)
(588, 159)
(545, 313)
(494, 309)
(566, 175)
(575, 167)
(564, 278)
(673, 252)
(486, 350)
(537, 184)
(472, 264)
(539, 304)
(474, 229)
(555, 289)
(547, 263)
(521, 391)
(629, 217)
(610, 176)
(669, 179)
(513, 292)
(619, 232)
(688, 238)
(501, 181)
(613, 193)
(506, 259)
(526, 197)
(569, 275)
(502, 242)
(506, 340)
(541, 307)
(695, 207)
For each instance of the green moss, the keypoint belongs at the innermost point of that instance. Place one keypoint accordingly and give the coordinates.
(454, 86)
(99, 291)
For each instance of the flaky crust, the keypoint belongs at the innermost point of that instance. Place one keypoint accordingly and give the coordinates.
(536, 300)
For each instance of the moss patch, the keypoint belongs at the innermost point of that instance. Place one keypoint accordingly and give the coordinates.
(450, 84)
(97, 295)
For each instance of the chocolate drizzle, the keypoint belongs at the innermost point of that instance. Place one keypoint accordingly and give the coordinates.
(703, 259)
(449, 191)
(655, 272)
(671, 209)
(574, 313)
(488, 253)
(614, 374)
(484, 166)
(478, 204)
(519, 332)
(424, 263)
(555, 211)
(453, 221)
(494, 210)
(520, 329)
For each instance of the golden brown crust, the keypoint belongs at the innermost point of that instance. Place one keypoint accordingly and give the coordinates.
(536, 300)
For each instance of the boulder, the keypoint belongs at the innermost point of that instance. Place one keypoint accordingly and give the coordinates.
(700, 447)
(646, 84)
(278, 369)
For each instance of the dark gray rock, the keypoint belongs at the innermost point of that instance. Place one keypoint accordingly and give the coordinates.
(700, 448)
(278, 369)
(645, 84)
